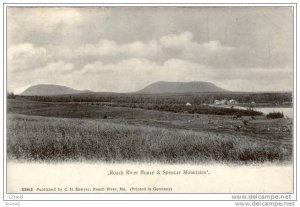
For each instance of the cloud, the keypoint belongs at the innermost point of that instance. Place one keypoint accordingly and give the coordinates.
(133, 74)
(108, 65)
(41, 26)
(262, 37)
(57, 72)
(26, 57)
(177, 41)
(42, 18)
(190, 49)
(109, 48)
(59, 67)
(180, 46)
(211, 53)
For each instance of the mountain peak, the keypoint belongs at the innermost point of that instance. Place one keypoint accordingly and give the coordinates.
(49, 90)
(181, 87)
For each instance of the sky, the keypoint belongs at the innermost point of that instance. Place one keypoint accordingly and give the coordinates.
(124, 49)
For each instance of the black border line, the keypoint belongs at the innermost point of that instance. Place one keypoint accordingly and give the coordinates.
(293, 5)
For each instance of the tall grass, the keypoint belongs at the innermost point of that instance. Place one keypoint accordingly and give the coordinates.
(58, 139)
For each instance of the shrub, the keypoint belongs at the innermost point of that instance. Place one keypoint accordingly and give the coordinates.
(275, 115)
(11, 95)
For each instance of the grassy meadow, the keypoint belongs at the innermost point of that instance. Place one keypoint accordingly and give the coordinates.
(60, 139)
(143, 128)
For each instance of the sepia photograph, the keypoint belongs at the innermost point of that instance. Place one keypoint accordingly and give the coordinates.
(149, 99)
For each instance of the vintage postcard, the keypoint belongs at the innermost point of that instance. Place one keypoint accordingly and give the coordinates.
(175, 102)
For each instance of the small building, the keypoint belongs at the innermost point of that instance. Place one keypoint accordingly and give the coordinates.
(220, 102)
(188, 104)
(232, 102)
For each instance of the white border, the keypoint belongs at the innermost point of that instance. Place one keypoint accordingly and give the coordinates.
(135, 196)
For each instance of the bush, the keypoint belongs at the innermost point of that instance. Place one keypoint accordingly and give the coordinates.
(11, 95)
(275, 115)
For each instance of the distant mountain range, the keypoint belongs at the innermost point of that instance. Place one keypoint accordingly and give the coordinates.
(181, 87)
(50, 90)
(157, 87)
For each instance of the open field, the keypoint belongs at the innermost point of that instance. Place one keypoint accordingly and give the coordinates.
(55, 139)
(56, 131)
(258, 126)
(87, 109)
(126, 127)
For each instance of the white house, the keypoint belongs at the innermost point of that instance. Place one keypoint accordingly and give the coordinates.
(232, 102)
(188, 104)
(220, 102)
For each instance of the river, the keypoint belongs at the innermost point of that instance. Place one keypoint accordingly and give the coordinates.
(287, 111)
